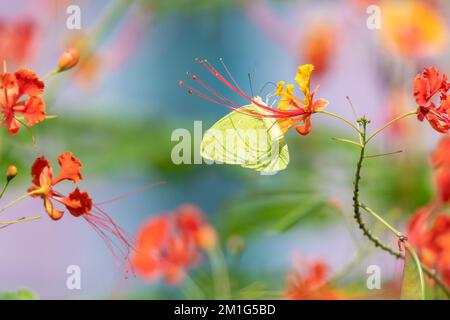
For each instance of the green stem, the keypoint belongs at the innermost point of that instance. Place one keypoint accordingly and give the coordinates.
(4, 188)
(357, 214)
(19, 220)
(220, 273)
(391, 123)
(356, 203)
(342, 119)
(379, 218)
(17, 200)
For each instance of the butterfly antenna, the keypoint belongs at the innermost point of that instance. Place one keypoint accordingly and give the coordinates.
(250, 82)
(265, 85)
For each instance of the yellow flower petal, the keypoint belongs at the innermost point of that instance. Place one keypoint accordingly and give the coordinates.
(303, 78)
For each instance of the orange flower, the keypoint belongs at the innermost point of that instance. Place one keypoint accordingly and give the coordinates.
(23, 83)
(78, 203)
(441, 163)
(290, 112)
(432, 242)
(426, 86)
(311, 284)
(170, 244)
(319, 46)
(412, 28)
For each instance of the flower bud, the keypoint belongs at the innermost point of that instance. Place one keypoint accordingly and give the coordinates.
(68, 59)
(207, 237)
(11, 172)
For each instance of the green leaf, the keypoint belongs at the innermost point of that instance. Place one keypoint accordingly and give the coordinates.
(413, 284)
(251, 141)
(22, 294)
(294, 216)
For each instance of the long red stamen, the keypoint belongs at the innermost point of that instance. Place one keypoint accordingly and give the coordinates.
(273, 113)
(130, 194)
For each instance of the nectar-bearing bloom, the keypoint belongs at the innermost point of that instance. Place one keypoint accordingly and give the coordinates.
(431, 94)
(78, 203)
(290, 111)
(170, 244)
(20, 96)
(308, 105)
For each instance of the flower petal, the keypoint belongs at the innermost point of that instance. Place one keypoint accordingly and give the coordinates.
(303, 78)
(29, 83)
(34, 110)
(78, 202)
(54, 213)
(37, 168)
(70, 168)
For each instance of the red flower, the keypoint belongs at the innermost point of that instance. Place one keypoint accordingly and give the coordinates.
(311, 284)
(432, 242)
(170, 244)
(78, 203)
(441, 163)
(13, 87)
(16, 39)
(426, 86)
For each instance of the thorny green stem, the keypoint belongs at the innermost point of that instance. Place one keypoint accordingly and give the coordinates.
(357, 206)
(356, 203)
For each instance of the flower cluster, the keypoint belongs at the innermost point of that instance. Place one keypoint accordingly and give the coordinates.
(427, 86)
(169, 244)
(21, 104)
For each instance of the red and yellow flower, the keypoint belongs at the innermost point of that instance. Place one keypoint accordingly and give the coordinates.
(291, 111)
(308, 105)
(78, 203)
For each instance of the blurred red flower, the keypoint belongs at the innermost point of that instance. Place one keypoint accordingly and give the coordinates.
(319, 46)
(168, 245)
(441, 163)
(311, 283)
(16, 38)
(12, 88)
(79, 203)
(432, 242)
(426, 86)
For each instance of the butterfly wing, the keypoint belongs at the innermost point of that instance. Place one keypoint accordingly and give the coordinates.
(249, 141)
